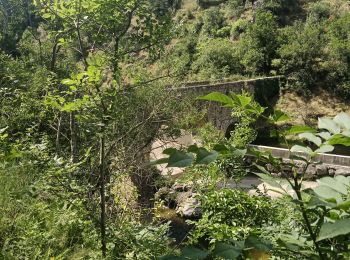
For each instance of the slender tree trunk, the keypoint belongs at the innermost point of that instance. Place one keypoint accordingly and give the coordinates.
(59, 127)
(103, 195)
(73, 137)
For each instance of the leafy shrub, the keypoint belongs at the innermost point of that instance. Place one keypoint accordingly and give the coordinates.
(258, 45)
(213, 21)
(231, 215)
(216, 58)
(300, 52)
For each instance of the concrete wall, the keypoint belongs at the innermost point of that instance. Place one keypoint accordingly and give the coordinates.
(331, 159)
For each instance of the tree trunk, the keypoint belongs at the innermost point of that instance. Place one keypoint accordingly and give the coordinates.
(103, 195)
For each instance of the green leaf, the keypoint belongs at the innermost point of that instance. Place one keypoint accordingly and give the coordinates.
(330, 230)
(311, 138)
(279, 116)
(68, 82)
(206, 157)
(339, 139)
(334, 184)
(243, 100)
(298, 129)
(328, 124)
(343, 119)
(193, 149)
(258, 243)
(316, 201)
(303, 149)
(218, 97)
(194, 253)
(239, 152)
(272, 182)
(220, 148)
(180, 159)
(169, 151)
(327, 193)
(226, 251)
(325, 149)
(325, 135)
(159, 161)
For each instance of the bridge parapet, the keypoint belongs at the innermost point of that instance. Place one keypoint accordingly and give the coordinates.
(265, 91)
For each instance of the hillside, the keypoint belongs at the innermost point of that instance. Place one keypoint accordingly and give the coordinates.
(306, 41)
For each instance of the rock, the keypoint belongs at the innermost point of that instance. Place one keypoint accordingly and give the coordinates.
(331, 171)
(345, 171)
(321, 170)
(180, 187)
(311, 172)
(189, 208)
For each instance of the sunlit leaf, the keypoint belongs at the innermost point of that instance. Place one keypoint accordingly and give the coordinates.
(303, 149)
(279, 116)
(339, 139)
(328, 124)
(325, 149)
(325, 135)
(330, 230)
(297, 129)
(217, 97)
(343, 119)
(311, 138)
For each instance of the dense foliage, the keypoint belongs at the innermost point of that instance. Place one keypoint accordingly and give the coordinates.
(306, 41)
(84, 94)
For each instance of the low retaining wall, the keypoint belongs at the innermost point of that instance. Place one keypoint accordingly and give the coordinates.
(331, 159)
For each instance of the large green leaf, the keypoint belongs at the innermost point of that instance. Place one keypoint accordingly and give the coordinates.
(194, 253)
(339, 139)
(218, 97)
(279, 116)
(242, 100)
(225, 251)
(311, 138)
(330, 230)
(325, 149)
(334, 184)
(328, 124)
(160, 161)
(327, 193)
(325, 135)
(297, 129)
(206, 157)
(258, 243)
(343, 119)
(180, 159)
(303, 149)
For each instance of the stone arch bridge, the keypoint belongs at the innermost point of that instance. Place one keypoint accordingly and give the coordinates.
(264, 90)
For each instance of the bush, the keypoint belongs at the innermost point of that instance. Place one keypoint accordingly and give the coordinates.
(231, 215)
(258, 45)
(213, 21)
(300, 53)
(216, 58)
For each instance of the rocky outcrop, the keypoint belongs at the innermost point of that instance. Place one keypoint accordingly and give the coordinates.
(181, 198)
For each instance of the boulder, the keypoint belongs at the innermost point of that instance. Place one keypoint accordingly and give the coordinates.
(189, 208)
(345, 171)
(321, 170)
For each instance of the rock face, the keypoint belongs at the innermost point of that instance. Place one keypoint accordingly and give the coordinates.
(182, 199)
(313, 171)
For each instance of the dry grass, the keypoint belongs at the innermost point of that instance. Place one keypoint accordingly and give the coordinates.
(306, 110)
